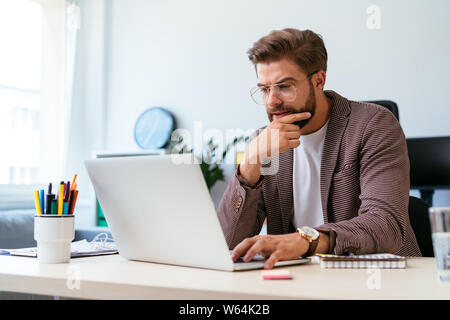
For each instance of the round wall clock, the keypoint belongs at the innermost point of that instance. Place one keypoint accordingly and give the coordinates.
(153, 128)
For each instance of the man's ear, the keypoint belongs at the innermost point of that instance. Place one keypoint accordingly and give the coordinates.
(319, 79)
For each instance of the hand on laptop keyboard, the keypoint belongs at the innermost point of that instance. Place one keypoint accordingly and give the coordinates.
(257, 257)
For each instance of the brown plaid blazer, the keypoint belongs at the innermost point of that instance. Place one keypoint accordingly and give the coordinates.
(364, 185)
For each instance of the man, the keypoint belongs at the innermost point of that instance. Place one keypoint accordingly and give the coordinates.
(342, 179)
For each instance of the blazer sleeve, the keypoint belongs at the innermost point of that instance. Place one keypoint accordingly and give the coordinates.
(382, 218)
(241, 211)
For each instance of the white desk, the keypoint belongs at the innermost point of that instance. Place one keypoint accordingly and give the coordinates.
(113, 277)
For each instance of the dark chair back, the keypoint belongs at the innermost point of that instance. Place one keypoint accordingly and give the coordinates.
(391, 105)
(429, 160)
(420, 222)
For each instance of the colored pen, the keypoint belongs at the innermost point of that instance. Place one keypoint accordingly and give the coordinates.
(71, 201)
(65, 207)
(54, 207)
(50, 198)
(75, 196)
(67, 194)
(61, 198)
(37, 202)
(74, 179)
(42, 199)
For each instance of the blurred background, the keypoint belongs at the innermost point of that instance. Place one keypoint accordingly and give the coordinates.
(75, 76)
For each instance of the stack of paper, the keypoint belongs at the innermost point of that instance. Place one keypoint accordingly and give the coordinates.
(82, 248)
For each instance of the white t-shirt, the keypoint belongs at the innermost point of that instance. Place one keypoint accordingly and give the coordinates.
(306, 179)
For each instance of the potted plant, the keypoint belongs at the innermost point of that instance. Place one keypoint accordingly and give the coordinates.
(210, 164)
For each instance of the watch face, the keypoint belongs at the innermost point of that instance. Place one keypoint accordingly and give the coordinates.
(310, 232)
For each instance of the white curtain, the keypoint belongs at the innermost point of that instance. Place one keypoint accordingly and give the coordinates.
(72, 25)
(61, 21)
(85, 102)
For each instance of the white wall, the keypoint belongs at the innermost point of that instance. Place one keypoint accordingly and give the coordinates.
(190, 57)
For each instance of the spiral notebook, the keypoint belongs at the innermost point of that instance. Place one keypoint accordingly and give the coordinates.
(378, 260)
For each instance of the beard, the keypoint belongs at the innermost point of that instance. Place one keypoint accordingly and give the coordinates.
(310, 106)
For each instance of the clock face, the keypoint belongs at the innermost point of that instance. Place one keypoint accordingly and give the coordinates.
(153, 128)
(310, 232)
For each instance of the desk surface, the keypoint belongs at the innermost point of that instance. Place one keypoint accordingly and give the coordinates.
(113, 277)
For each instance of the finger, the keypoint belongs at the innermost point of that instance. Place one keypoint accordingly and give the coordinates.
(242, 248)
(274, 257)
(292, 135)
(255, 249)
(293, 117)
(293, 143)
(289, 127)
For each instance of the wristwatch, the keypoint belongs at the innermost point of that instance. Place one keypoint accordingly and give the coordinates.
(312, 235)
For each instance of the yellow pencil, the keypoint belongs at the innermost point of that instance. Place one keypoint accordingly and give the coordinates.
(61, 198)
(37, 202)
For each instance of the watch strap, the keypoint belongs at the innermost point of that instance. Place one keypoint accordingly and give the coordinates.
(312, 247)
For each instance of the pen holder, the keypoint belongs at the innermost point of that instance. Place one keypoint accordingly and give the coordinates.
(53, 234)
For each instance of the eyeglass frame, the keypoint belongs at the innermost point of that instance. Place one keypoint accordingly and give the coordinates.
(254, 90)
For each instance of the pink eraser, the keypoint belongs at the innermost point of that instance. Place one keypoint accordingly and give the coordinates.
(276, 274)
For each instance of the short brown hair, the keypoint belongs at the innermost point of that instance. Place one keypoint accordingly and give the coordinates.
(304, 47)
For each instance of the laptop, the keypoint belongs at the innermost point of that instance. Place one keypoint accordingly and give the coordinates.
(159, 210)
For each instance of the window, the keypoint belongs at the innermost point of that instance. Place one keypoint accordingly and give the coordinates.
(20, 82)
(31, 96)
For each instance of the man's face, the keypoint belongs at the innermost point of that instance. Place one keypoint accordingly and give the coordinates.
(286, 72)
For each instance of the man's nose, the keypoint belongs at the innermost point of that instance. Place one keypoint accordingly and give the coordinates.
(272, 99)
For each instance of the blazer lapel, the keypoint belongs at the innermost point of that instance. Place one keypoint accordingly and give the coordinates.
(340, 109)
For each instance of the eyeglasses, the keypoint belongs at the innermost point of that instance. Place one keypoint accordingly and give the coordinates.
(284, 91)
